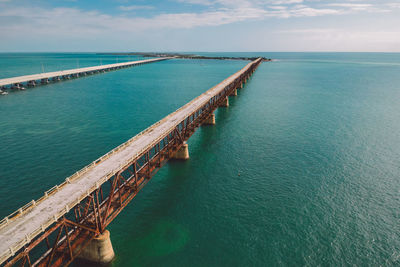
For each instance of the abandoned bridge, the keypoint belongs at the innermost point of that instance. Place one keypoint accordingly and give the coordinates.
(21, 82)
(70, 220)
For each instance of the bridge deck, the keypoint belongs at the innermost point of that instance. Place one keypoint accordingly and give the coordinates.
(49, 75)
(21, 227)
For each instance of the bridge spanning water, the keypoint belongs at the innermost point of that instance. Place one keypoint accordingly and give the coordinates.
(70, 220)
(45, 78)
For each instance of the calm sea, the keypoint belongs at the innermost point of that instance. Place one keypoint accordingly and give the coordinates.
(302, 169)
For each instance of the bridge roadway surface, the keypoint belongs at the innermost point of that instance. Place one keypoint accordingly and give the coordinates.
(49, 75)
(21, 229)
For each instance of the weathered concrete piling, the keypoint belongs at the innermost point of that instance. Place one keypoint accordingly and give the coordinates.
(31, 83)
(182, 153)
(44, 81)
(210, 120)
(99, 250)
(225, 103)
(18, 86)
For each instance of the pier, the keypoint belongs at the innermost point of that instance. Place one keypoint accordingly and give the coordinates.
(21, 82)
(70, 220)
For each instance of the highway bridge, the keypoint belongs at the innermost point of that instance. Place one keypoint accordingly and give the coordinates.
(70, 220)
(21, 82)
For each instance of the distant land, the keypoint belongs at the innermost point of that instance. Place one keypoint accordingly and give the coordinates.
(186, 56)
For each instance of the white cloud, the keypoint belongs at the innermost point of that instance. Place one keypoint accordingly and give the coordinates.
(76, 22)
(285, 2)
(339, 39)
(221, 3)
(393, 5)
(296, 7)
(278, 7)
(312, 12)
(70, 21)
(134, 7)
(78, 28)
(351, 5)
(197, 2)
(241, 3)
(73, 21)
(341, 34)
(360, 7)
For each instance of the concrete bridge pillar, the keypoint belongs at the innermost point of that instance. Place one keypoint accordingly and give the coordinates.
(45, 81)
(99, 250)
(234, 93)
(31, 83)
(18, 86)
(182, 153)
(210, 120)
(225, 103)
(241, 85)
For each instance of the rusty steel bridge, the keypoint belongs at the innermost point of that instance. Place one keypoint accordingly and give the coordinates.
(55, 229)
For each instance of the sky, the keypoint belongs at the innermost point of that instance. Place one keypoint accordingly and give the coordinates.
(199, 25)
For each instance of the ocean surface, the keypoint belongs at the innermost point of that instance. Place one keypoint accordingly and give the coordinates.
(302, 169)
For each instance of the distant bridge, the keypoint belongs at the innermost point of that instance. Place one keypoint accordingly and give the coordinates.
(44, 78)
(70, 220)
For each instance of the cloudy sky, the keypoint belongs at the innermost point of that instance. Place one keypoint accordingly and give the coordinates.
(200, 25)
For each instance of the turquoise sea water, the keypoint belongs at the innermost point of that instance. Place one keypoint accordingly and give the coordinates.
(301, 170)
